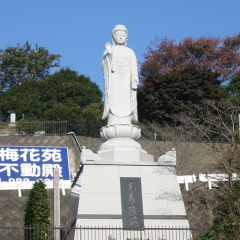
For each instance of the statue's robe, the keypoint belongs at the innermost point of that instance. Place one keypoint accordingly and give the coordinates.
(120, 98)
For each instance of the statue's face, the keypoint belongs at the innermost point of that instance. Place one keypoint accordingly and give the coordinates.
(120, 37)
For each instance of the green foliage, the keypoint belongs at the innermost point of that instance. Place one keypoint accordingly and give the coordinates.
(227, 223)
(228, 211)
(64, 95)
(172, 93)
(60, 111)
(67, 87)
(22, 64)
(37, 211)
(233, 88)
(209, 235)
(93, 114)
(23, 99)
(175, 76)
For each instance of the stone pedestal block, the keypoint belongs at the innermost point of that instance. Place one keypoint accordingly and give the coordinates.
(100, 194)
(125, 154)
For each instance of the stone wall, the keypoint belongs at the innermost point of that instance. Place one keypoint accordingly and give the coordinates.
(11, 206)
(199, 216)
(192, 157)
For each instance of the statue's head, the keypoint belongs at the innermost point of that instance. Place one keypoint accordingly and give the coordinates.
(119, 35)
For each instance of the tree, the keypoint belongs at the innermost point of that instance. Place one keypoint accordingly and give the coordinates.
(37, 212)
(212, 120)
(219, 55)
(64, 95)
(67, 86)
(71, 112)
(226, 225)
(214, 127)
(216, 121)
(163, 94)
(174, 70)
(23, 64)
(233, 88)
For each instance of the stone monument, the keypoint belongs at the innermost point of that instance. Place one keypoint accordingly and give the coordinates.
(120, 73)
(121, 185)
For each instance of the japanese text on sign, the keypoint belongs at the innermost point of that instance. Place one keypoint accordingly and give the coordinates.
(132, 207)
(131, 196)
(33, 162)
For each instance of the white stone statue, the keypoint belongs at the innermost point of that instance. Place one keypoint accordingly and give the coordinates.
(120, 108)
(121, 80)
(121, 133)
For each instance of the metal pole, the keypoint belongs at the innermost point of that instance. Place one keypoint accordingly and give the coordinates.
(56, 204)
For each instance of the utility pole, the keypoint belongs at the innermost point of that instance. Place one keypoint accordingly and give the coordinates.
(56, 207)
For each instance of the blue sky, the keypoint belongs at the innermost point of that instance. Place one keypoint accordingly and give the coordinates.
(79, 29)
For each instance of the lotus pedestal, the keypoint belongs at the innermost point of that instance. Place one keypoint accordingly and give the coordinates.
(120, 144)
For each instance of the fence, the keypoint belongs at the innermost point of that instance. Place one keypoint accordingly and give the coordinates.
(50, 128)
(100, 233)
(92, 130)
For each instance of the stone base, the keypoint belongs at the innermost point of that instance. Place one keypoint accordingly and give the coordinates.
(100, 195)
(125, 154)
(129, 131)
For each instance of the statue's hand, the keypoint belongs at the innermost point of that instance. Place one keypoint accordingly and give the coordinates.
(109, 48)
(135, 82)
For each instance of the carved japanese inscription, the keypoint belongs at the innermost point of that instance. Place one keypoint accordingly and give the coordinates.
(132, 208)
